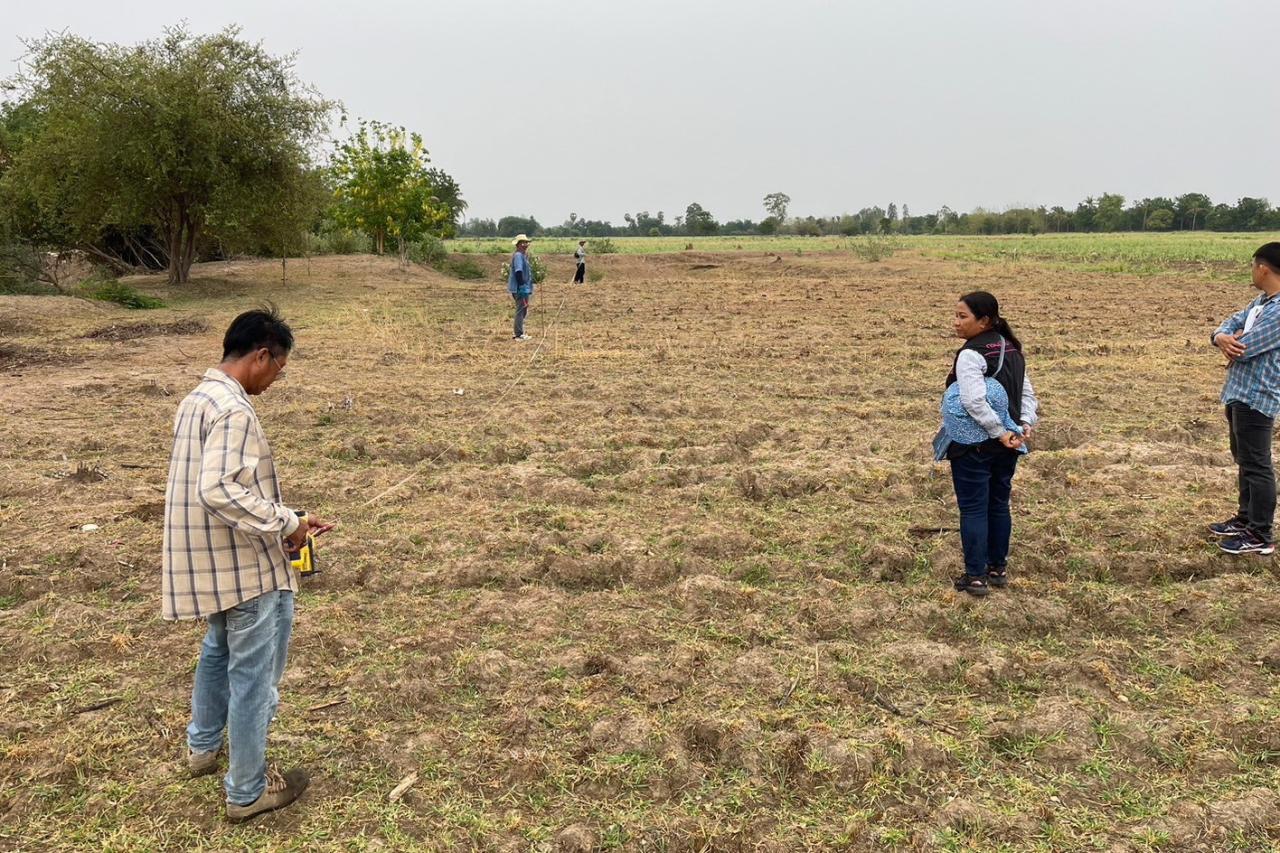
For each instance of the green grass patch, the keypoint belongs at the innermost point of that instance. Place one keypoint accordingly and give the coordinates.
(124, 295)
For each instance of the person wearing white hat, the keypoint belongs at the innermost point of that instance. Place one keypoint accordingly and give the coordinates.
(580, 257)
(520, 283)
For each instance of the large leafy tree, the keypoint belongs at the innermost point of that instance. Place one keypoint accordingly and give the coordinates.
(510, 226)
(449, 197)
(384, 187)
(1191, 208)
(32, 241)
(190, 137)
(1110, 215)
(699, 221)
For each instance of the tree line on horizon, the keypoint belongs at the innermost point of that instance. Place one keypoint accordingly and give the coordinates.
(192, 147)
(1107, 212)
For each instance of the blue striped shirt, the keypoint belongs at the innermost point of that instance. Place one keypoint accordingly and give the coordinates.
(1254, 377)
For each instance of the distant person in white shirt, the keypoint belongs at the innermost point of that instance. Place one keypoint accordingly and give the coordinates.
(581, 257)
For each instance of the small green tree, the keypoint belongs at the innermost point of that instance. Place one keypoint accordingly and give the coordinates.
(384, 188)
(196, 137)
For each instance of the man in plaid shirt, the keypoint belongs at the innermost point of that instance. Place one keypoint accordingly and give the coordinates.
(225, 562)
(1250, 340)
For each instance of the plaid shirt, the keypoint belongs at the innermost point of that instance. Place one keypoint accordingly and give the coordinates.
(224, 523)
(1254, 377)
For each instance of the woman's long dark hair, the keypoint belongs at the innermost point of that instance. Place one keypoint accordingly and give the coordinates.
(983, 304)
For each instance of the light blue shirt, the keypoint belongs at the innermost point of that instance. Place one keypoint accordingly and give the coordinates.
(520, 262)
(1254, 377)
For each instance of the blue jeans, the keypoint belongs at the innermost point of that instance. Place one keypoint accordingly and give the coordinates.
(241, 661)
(983, 478)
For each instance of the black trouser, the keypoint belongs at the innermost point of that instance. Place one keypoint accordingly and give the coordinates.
(1251, 448)
(580, 274)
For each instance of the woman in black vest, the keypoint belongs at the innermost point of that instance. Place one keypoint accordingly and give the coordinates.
(983, 472)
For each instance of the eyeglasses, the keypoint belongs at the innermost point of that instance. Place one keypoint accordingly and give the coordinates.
(279, 366)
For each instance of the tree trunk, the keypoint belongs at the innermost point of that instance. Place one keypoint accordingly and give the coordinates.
(182, 230)
(173, 238)
(189, 250)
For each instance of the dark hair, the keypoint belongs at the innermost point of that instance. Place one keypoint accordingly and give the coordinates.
(983, 304)
(253, 330)
(1269, 254)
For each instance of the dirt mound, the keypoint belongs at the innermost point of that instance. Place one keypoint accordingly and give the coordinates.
(934, 661)
(17, 357)
(129, 332)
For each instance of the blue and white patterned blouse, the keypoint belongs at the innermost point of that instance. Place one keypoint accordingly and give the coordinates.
(958, 425)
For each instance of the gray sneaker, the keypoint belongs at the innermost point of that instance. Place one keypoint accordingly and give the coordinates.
(202, 763)
(282, 789)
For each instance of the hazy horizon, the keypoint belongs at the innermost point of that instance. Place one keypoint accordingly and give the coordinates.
(604, 109)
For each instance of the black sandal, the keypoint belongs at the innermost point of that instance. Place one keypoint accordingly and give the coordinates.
(998, 576)
(972, 585)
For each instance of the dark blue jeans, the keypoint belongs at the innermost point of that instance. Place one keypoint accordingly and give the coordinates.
(983, 478)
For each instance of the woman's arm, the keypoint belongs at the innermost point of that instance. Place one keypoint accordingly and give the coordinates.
(1030, 403)
(971, 369)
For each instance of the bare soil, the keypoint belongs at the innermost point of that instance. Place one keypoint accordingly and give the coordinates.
(671, 576)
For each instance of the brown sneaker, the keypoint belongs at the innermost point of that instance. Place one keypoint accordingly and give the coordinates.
(202, 763)
(281, 791)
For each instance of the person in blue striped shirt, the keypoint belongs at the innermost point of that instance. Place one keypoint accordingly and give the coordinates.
(1250, 340)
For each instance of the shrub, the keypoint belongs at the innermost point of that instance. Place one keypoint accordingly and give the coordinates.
(602, 246)
(311, 244)
(337, 241)
(467, 269)
(122, 294)
(429, 251)
(874, 247)
(535, 263)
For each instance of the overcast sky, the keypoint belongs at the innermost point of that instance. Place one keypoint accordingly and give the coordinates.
(607, 107)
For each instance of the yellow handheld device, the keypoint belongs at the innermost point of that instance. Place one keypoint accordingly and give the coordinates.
(303, 559)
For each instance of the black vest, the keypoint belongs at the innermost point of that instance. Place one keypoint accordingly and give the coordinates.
(1011, 373)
